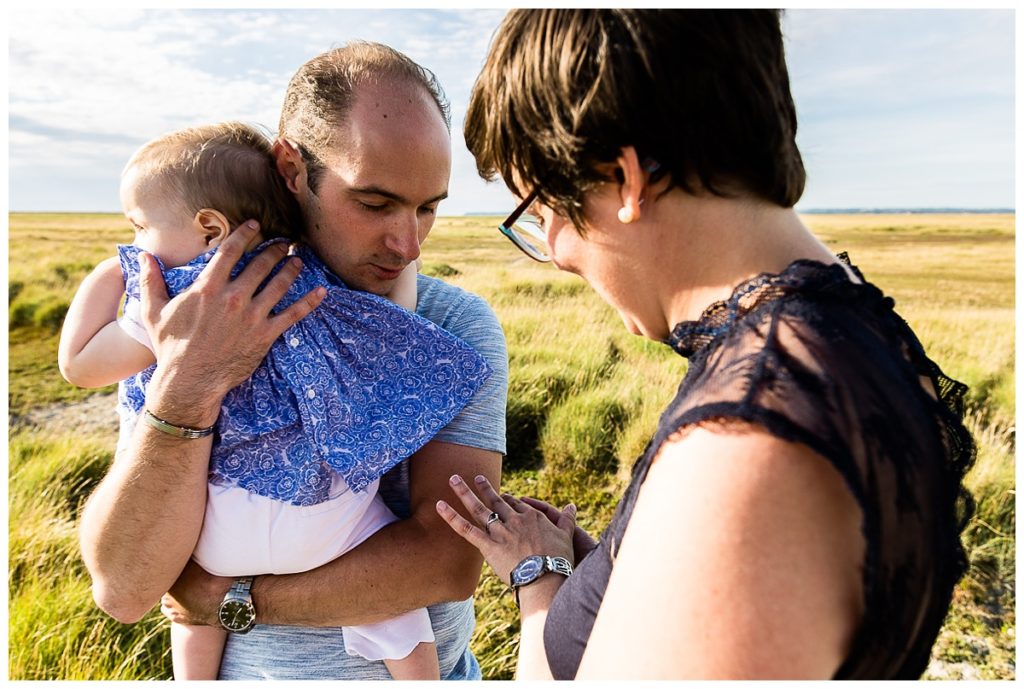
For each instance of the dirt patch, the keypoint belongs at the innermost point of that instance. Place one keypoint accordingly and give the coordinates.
(95, 414)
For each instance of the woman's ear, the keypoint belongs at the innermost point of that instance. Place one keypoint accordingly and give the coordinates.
(290, 165)
(213, 225)
(631, 188)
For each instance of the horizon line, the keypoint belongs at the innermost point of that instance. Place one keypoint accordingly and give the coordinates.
(810, 211)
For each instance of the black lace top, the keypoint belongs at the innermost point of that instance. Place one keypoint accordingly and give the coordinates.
(814, 358)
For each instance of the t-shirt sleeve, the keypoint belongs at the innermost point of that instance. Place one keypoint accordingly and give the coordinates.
(482, 422)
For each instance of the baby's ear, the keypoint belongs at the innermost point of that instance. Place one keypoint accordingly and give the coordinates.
(213, 225)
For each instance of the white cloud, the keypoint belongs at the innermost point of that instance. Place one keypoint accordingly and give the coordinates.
(124, 74)
(879, 93)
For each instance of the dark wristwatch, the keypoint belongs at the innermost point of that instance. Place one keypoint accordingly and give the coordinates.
(533, 567)
(237, 613)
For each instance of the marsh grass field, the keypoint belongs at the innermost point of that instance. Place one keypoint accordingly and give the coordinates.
(584, 397)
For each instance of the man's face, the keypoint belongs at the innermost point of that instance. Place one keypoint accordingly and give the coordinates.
(377, 199)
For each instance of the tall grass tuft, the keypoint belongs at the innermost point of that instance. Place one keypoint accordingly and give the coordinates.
(55, 628)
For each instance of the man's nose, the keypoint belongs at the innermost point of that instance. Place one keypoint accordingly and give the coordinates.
(404, 239)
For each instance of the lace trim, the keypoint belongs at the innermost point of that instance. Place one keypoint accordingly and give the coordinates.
(810, 278)
(804, 276)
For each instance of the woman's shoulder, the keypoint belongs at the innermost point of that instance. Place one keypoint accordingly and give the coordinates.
(777, 536)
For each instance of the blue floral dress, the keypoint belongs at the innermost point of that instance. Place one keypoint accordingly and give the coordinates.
(354, 388)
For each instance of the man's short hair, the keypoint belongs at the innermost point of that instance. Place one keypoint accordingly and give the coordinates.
(705, 93)
(228, 167)
(321, 94)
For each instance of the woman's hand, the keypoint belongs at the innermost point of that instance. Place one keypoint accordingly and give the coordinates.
(582, 542)
(195, 597)
(520, 531)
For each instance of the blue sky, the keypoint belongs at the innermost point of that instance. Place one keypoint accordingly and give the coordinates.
(897, 108)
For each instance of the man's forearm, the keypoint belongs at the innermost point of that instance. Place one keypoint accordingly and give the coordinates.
(406, 565)
(398, 569)
(140, 525)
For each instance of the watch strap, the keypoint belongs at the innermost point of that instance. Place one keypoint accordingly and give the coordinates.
(558, 565)
(242, 586)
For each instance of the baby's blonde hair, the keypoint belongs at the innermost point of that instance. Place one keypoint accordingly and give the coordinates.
(227, 167)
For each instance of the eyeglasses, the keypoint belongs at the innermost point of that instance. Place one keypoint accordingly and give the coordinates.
(526, 231)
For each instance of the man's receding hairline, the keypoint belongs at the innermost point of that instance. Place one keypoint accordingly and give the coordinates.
(389, 85)
(338, 134)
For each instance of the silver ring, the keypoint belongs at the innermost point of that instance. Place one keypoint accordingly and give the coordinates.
(494, 517)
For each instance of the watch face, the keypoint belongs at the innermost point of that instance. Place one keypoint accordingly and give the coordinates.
(236, 615)
(527, 570)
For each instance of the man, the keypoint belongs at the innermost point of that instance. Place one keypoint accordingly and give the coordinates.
(365, 146)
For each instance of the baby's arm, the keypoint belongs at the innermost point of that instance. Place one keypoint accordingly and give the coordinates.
(94, 351)
(404, 291)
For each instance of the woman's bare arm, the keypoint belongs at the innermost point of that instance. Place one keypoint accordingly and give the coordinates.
(742, 560)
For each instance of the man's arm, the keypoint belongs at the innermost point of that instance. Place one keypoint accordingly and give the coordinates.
(408, 564)
(139, 527)
(417, 561)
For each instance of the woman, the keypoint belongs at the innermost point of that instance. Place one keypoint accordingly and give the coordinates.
(797, 513)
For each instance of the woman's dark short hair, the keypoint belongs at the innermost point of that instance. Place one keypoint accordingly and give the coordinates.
(705, 93)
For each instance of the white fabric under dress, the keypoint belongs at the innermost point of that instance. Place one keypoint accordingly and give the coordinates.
(244, 533)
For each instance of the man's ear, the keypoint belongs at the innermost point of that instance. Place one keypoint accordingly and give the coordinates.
(213, 225)
(290, 165)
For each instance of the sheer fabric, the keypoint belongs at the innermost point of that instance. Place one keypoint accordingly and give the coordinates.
(814, 358)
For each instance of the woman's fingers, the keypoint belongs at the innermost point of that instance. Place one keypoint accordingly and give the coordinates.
(515, 503)
(550, 511)
(567, 520)
(491, 497)
(477, 510)
(462, 526)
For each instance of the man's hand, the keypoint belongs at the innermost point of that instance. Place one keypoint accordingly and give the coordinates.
(195, 597)
(139, 527)
(211, 337)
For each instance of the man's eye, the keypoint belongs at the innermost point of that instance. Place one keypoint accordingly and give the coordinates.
(372, 206)
(428, 210)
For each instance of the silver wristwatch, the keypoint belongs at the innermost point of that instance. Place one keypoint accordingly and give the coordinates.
(237, 613)
(533, 567)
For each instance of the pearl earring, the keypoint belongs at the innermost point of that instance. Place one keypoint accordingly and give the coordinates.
(626, 215)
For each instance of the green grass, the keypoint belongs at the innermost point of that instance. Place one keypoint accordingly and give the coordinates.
(584, 398)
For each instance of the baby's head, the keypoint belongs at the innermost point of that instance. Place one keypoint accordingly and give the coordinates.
(185, 191)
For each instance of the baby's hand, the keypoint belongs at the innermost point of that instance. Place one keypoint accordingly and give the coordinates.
(404, 291)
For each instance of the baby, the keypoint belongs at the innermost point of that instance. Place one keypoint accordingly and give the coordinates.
(341, 397)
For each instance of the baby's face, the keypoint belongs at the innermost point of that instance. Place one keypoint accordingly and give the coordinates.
(161, 227)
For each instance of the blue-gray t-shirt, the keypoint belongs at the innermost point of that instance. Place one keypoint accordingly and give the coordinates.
(287, 652)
